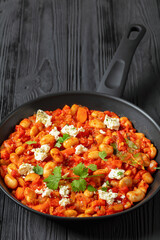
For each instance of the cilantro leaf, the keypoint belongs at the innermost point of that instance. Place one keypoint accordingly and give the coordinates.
(61, 140)
(65, 137)
(137, 155)
(157, 168)
(58, 144)
(115, 148)
(53, 180)
(31, 142)
(131, 144)
(102, 155)
(91, 188)
(119, 173)
(107, 182)
(79, 185)
(57, 172)
(80, 170)
(104, 189)
(38, 170)
(92, 167)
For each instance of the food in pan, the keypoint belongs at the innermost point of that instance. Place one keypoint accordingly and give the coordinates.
(76, 162)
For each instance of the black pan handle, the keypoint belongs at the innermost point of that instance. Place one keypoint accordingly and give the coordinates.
(114, 78)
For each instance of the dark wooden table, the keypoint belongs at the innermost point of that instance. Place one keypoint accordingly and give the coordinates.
(48, 46)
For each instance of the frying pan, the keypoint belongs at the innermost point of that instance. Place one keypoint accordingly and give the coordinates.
(113, 83)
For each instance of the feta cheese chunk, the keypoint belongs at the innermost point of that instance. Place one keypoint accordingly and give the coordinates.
(46, 192)
(71, 130)
(41, 153)
(112, 123)
(44, 118)
(81, 129)
(116, 174)
(64, 191)
(80, 149)
(123, 196)
(108, 196)
(25, 169)
(102, 132)
(64, 201)
(55, 133)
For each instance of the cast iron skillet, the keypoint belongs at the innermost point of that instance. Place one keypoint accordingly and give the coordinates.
(112, 83)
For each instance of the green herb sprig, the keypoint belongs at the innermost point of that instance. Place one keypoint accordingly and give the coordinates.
(38, 169)
(53, 180)
(30, 142)
(102, 155)
(61, 140)
(131, 144)
(78, 184)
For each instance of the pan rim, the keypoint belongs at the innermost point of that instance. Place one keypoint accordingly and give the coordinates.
(81, 93)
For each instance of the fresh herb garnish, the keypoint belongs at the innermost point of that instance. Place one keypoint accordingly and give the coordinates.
(115, 148)
(80, 170)
(136, 155)
(104, 189)
(65, 137)
(92, 167)
(107, 183)
(157, 168)
(30, 142)
(53, 180)
(91, 188)
(78, 184)
(58, 144)
(102, 155)
(129, 158)
(119, 173)
(38, 169)
(131, 144)
(61, 140)
(122, 155)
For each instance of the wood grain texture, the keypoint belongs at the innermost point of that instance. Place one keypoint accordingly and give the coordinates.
(61, 45)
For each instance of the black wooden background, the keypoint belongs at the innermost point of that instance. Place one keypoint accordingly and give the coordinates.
(48, 46)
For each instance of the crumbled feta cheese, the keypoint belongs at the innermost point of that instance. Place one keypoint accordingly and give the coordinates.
(46, 192)
(123, 196)
(112, 123)
(102, 132)
(81, 129)
(41, 153)
(108, 196)
(55, 133)
(64, 191)
(80, 149)
(39, 191)
(119, 201)
(64, 201)
(116, 174)
(71, 130)
(25, 169)
(44, 118)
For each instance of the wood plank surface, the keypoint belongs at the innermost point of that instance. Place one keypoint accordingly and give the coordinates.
(48, 46)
